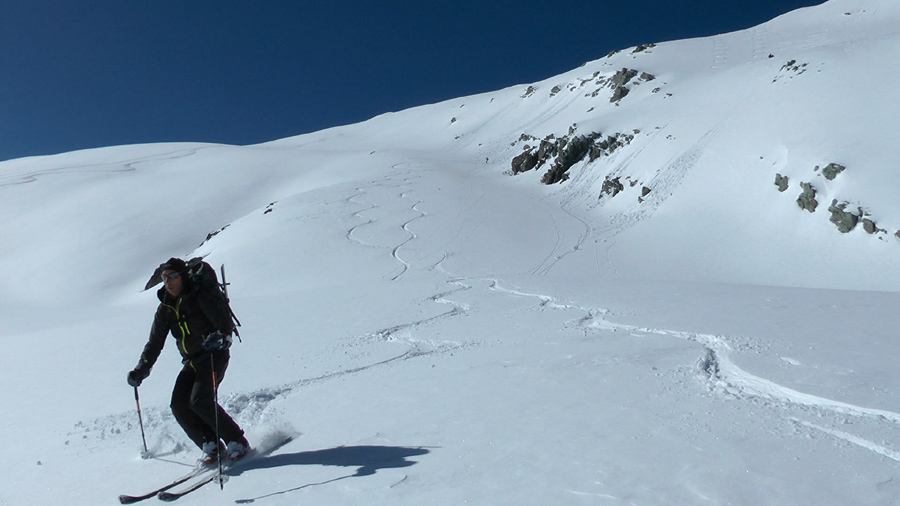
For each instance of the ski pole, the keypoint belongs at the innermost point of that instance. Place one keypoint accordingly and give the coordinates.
(212, 364)
(137, 401)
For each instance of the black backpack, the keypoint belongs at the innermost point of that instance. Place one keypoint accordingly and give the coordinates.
(203, 276)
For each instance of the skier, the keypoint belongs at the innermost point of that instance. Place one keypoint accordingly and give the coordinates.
(201, 325)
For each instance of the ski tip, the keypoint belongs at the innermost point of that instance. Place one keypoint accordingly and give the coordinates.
(127, 499)
(165, 496)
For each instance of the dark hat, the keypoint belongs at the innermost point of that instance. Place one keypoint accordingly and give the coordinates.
(173, 264)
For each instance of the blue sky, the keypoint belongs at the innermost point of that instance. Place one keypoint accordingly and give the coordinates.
(94, 73)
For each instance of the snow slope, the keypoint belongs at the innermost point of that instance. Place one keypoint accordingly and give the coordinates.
(436, 330)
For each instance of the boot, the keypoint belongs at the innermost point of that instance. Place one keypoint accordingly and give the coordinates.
(211, 451)
(235, 450)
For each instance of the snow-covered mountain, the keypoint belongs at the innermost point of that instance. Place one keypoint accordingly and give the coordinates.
(665, 277)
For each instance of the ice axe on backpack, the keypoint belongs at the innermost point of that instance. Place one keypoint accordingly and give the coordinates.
(224, 285)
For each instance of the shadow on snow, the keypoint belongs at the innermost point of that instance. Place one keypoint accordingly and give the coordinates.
(367, 459)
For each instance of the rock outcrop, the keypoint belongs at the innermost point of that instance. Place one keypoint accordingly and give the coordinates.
(843, 219)
(564, 152)
(781, 182)
(832, 170)
(807, 199)
(611, 187)
(569, 152)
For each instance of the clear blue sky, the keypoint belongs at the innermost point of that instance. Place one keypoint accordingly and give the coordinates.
(91, 73)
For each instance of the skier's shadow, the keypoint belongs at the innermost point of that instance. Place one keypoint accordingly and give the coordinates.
(367, 459)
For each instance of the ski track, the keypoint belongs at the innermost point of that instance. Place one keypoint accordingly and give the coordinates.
(412, 236)
(250, 409)
(253, 408)
(579, 190)
(123, 166)
(358, 214)
(850, 438)
(721, 375)
(405, 189)
(725, 378)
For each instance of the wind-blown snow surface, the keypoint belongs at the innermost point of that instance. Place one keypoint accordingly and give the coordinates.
(437, 331)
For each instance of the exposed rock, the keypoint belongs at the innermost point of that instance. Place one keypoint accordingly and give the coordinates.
(548, 148)
(622, 77)
(791, 69)
(611, 187)
(642, 47)
(608, 145)
(845, 221)
(832, 170)
(217, 232)
(807, 199)
(529, 92)
(644, 192)
(567, 151)
(617, 82)
(794, 67)
(869, 226)
(524, 162)
(781, 182)
(570, 153)
(555, 90)
(619, 94)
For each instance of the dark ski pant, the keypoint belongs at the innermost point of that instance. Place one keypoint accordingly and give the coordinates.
(194, 404)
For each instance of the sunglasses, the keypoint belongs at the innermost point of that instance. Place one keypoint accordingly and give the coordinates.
(170, 276)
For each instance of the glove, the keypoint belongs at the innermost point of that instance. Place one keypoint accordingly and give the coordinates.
(137, 376)
(217, 341)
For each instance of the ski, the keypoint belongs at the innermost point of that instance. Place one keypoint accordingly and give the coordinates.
(130, 499)
(171, 496)
(167, 496)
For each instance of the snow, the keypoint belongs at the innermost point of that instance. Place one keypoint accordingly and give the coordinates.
(435, 330)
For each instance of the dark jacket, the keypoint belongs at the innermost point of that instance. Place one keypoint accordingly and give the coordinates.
(190, 317)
